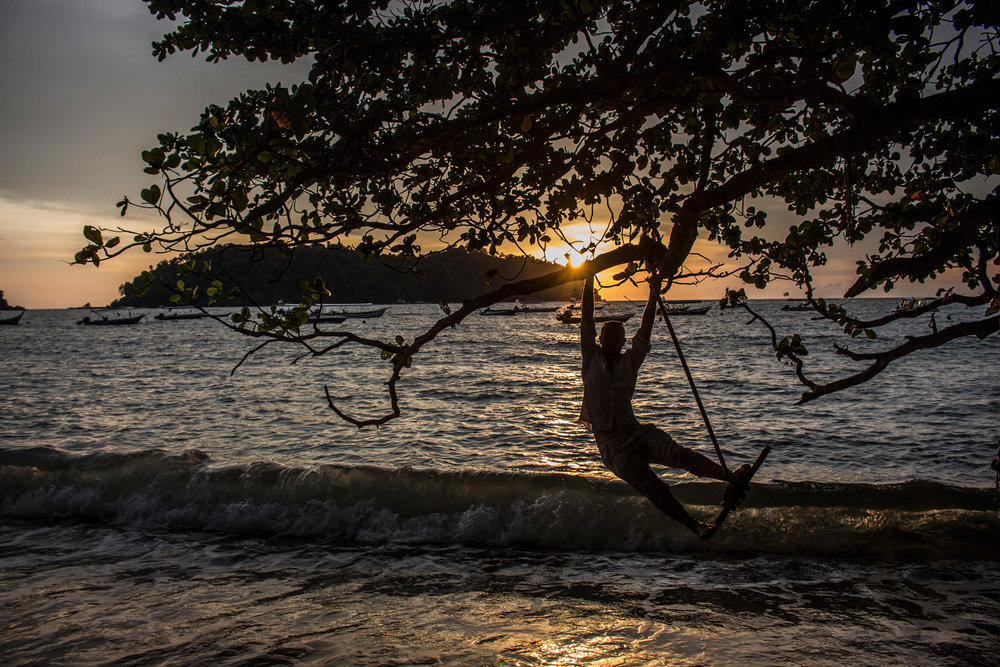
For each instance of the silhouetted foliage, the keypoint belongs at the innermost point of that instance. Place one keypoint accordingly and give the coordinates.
(493, 125)
(265, 277)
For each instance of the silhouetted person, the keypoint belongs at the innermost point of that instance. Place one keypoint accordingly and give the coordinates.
(628, 447)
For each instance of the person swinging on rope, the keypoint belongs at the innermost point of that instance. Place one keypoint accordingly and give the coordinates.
(628, 447)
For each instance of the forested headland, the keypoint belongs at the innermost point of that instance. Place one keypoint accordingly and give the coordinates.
(6, 306)
(265, 276)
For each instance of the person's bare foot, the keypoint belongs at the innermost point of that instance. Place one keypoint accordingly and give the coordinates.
(741, 473)
(736, 491)
(702, 530)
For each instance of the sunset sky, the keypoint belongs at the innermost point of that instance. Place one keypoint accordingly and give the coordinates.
(83, 97)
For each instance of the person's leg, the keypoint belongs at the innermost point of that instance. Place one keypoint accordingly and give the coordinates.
(626, 459)
(661, 448)
(642, 478)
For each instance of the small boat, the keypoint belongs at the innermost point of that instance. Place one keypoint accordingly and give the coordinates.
(111, 321)
(907, 304)
(536, 309)
(12, 320)
(567, 317)
(315, 316)
(348, 310)
(500, 311)
(685, 309)
(181, 314)
(327, 319)
(797, 307)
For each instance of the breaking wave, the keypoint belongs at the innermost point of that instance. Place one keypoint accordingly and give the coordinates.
(156, 490)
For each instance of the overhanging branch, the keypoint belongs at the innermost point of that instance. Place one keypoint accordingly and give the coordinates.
(645, 249)
(881, 360)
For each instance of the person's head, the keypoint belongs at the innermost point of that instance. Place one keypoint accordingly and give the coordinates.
(612, 337)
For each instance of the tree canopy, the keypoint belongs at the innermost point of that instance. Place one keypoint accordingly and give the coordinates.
(494, 125)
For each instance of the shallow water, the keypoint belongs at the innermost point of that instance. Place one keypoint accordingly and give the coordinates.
(494, 395)
(156, 509)
(77, 594)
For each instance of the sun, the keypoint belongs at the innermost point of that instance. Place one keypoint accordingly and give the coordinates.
(574, 258)
(567, 256)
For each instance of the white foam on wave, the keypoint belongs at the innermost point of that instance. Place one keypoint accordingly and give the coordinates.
(156, 490)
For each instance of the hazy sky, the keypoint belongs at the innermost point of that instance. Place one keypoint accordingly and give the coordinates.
(82, 98)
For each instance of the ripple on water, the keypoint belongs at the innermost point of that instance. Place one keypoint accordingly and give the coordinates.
(506, 392)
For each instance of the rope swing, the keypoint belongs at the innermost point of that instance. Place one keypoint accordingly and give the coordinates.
(694, 390)
(728, 504)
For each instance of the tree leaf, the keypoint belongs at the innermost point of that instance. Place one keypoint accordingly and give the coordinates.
(93, 234)
(151, 195)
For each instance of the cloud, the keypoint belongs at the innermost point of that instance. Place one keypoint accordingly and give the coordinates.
(37, 243)
(83, 97)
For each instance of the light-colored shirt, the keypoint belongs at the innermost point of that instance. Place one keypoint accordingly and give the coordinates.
(608, 388)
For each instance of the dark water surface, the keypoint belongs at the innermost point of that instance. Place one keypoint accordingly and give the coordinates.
(155, 509)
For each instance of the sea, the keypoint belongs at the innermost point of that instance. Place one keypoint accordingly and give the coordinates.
(163, 503)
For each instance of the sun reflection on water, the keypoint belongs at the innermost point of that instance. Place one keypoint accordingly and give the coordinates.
(589, 651)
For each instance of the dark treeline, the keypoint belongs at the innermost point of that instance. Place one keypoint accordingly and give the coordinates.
(6, 306)
(265, 277)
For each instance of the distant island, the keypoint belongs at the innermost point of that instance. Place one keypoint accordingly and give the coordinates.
(265, 277)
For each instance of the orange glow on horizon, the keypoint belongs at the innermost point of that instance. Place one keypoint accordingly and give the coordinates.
(574, 258)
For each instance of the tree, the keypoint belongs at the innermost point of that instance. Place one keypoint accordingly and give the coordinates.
(264, 276)
(494, 125)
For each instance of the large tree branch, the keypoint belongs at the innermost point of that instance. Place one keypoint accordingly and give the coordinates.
(917, 310)
(646, 249)
(876, 126)
(979, 216)
(881, 360)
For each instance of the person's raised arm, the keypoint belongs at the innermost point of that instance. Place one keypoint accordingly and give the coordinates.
(587, 303)
(588, 329)
(649, 314)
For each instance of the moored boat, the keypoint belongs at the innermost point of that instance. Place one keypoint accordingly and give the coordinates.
(685, 309)
(568, 317)
(797, 307)
(908, 304)
(353, 311)
(12, 320)
(185, 313)
(111, 321)
(326, 318)
(536, 309)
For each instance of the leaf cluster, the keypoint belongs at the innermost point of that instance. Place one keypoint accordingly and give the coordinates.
(491, 126)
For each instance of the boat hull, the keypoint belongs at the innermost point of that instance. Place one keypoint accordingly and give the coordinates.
(684, 310)
(575, 319)
(118, 321)
(359, 314)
